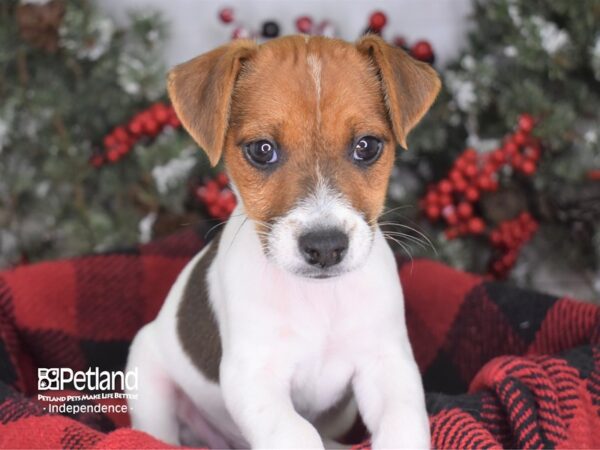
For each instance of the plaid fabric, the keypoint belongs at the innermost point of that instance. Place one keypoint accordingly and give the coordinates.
(503, 367)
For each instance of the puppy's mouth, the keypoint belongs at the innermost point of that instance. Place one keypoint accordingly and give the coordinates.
(321, 237)
(322, 274)
(318, 254)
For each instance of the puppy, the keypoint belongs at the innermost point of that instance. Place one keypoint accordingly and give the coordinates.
(291, 322)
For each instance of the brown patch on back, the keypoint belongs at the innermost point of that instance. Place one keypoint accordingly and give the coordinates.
(196, 325)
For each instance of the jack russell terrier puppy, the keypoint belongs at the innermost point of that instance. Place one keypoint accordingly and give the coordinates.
(291, 322)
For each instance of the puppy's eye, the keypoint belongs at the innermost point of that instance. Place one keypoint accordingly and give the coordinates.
(262, 153)
(367, 150)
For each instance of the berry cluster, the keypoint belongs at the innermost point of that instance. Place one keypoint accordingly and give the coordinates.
(216, 196)
(377, 22)
(269, 29)
(593, 175)
(420, 50)
(507, 239)
(455, 199)
(306, 25)
(145, 124)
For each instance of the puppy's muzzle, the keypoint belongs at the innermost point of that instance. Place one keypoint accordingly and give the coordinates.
(323, 248)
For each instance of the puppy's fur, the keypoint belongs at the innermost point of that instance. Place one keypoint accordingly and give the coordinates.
(254, 346)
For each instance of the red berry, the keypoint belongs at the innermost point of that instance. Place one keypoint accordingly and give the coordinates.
(472, 194)
(465, 210)
(460, 185)
(214, 210)
(471, 170)
(454, 175)
(400, 41)
(122, 149)
(162, 114)
(498, 156)
(151, 127)
(174, 122)
(227, 196)
(528, 167)
(432, 198)
(495, 238)
(517, 161)
(450, 216)
(109, 141)
(432, 212)
(210, 197)
(461, 164)
(240, 33)
(489, 168)
(484, 182)
(112, 156)
(517, 232)
(120, 134)
(520, 138)
(212, 185)
(509, 259)
(231, 203)
(226, 15)
(470, 154)
(445, 200)
(445, 187)
(377, 21)
(222, 179)
(498, 267)
(422, 51)
(526, 122)
(135, 127)
(510, 148)
(304, 24)
(451, 233)
(533, 152)
(476, 225)
(201, 193)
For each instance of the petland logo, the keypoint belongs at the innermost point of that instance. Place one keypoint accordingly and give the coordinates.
(55, 379)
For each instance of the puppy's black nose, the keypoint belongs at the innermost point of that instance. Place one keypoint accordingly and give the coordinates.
(323, 248)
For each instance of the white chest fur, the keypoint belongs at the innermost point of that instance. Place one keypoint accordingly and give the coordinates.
(292, 347)
(313, 331)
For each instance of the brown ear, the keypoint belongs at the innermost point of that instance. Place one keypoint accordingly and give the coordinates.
(201, 90)
(409, 86)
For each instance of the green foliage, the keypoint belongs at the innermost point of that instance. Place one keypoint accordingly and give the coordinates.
(55, 109)
(540, 57)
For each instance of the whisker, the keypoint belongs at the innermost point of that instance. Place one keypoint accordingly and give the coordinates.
(215, 226)
(398, 208)
(236, 233)
(420, 233)
(406, 250)
(421, 243)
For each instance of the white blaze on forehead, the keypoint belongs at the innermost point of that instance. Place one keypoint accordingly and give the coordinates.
(314, 65)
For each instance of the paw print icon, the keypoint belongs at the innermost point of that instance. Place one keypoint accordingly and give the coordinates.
(48, 379)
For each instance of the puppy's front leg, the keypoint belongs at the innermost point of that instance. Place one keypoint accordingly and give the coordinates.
(391, 400)
(261, 406)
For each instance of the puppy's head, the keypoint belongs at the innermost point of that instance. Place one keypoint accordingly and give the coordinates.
(308, 128)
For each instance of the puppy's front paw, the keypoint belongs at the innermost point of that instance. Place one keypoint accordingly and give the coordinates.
(403, 434)
(291, 437)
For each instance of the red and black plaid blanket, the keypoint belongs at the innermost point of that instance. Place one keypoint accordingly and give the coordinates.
(503, 367)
